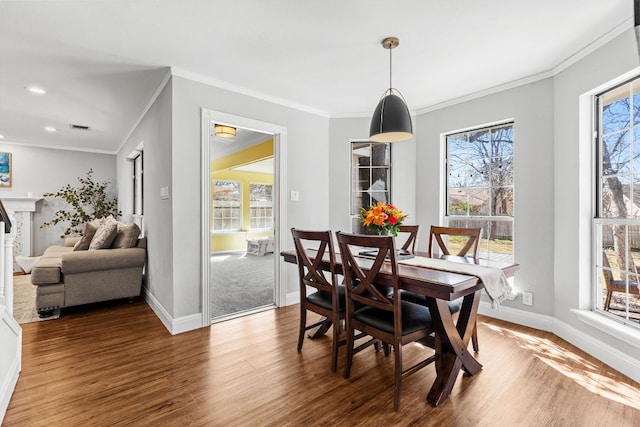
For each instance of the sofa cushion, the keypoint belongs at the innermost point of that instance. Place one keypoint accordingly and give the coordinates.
(46, 271)
(85, 241)
(126, 237)
(56, 251)
(104, 235)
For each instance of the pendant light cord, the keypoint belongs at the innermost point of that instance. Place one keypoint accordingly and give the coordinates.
(390, 69)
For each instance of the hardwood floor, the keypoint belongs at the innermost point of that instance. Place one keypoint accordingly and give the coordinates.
(116, 365)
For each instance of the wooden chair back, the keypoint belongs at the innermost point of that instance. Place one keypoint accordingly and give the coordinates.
(361, 288)
(469, 249)
(309, 271)
(613, 285)
(412, 231)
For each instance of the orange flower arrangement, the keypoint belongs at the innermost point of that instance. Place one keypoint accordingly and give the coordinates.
(383, 218)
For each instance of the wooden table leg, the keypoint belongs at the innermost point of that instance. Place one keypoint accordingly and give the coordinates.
(452, 340)
(324, 327)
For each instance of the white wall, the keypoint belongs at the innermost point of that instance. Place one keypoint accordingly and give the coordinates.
(43, 170)
(531, 107)
(154, 131)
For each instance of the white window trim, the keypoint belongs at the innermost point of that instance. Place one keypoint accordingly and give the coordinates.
(586, 265)
(444, 180)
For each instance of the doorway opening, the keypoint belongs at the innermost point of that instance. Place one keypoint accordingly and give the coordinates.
(242, 209)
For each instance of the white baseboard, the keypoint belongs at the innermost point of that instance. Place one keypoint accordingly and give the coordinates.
(174, 326)
(607, 354)
(520, 317)
(292, 298)
(11, 340)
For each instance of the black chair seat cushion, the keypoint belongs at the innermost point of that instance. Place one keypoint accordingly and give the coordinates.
(454, 306)
(414, 318)
(323, 298)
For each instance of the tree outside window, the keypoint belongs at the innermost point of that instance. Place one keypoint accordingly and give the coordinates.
(480, 187)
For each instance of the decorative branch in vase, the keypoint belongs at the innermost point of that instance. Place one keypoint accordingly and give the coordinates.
(87, 201)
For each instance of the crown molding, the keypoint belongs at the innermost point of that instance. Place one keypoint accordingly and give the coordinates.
(59, 147)
(210, 81)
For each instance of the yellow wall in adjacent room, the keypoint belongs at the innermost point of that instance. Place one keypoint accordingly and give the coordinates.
(221, 169)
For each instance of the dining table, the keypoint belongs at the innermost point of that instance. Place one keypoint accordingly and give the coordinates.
(438, 286)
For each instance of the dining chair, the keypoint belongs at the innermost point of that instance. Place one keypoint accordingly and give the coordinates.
(615, 285)
(328, 299)
(461, 244)
(412, 238)
(467, 249)
(383, 317)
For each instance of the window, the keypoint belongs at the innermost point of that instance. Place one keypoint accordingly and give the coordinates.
(370, 178)
(227, 215)
(479, 192)
(617, 215)
(137, 183)
(261, 206)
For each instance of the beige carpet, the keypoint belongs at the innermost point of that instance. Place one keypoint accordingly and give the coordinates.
(24, 301)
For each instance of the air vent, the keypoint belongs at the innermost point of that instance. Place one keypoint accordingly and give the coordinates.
(79, 127)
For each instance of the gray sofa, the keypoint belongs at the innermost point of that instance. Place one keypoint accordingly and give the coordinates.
(66, 278)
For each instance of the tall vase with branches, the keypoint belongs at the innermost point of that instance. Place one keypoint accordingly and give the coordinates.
(86, 201)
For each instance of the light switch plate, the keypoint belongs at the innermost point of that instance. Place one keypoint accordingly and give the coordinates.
(164, 193)
(295, 196)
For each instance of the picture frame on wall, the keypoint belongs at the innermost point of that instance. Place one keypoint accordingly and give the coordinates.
(5, 170)
(4, 217)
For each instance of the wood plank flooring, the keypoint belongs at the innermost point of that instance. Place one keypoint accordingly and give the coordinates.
(116, 365)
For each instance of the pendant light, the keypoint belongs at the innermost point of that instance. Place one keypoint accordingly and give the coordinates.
(391, 121)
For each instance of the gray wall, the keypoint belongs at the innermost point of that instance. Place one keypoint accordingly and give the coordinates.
(155, 132)
(43, 170)
(172, 157)
(531, 107)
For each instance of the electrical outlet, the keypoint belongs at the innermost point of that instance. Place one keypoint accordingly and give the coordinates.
(527, 298)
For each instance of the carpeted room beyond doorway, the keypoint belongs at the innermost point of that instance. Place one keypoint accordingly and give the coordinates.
(240, 282)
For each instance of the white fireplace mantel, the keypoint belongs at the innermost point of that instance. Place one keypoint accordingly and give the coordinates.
(20, 210)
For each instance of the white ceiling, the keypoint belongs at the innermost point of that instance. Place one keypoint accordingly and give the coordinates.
(101, 61)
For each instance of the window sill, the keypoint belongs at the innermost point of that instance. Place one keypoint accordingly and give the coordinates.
(609, 326)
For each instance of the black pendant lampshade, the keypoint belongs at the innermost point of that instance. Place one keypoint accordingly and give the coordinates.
(391, 121)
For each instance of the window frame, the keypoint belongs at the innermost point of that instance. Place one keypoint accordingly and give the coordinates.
(481, 220)
(355, 216)
(599, 220)
(137, 169)
(251, 217)
(213, 208)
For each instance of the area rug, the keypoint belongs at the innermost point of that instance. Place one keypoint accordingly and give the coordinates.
(24, 301)
(240, 282)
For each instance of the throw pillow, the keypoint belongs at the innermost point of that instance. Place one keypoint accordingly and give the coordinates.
(85, 241)
(104, 235)
(127, 237)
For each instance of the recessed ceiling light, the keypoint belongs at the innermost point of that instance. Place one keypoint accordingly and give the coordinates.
(50, 129)
(35, 89)
(1, 136)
